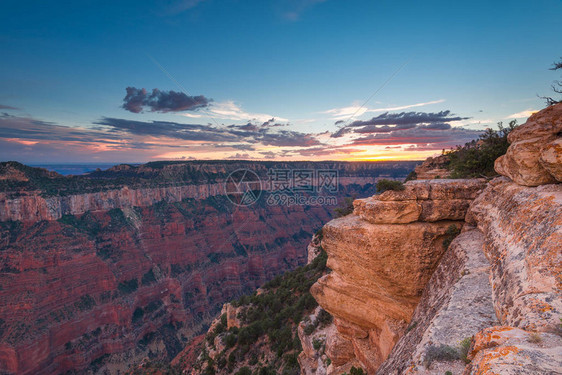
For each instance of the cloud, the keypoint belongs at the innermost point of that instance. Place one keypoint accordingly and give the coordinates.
(269, 154)
(389, 122)
(292, 9)
(26, 128)
(191, 132)
(239, 156)
(327, 151)
(248, 133)
(523, 114)
(344, 113)
(422, 138)
(231, 111)
(180, 6)
(287, 138)
(7, 107)
(162, 101)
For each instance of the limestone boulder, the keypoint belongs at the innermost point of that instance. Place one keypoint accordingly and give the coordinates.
(436, 190)
(339, 350)
(452, 209)
(543, 124)
(533, 158)
(521, 163)
(378, 274)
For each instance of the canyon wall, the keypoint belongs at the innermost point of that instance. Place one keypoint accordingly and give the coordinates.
(99, 272)
(410, 295)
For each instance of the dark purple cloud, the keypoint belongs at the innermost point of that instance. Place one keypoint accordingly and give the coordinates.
(7, 107)
(388, 122)
(162, 101)
(425, 139)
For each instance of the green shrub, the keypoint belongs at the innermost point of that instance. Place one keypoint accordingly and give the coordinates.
(440, 353)
(137, 314)
(86, 303)
(356, 371)
(317, 344)
(128, 286)
(308, 329)
(411, 176)
(230, 340)
(464, 348)
(148, 278)
(244, 371)
(384, 185)
(476, 158)
(324, 318)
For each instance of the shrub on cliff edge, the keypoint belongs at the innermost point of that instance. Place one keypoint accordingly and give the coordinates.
(476, 158)
(384, 185)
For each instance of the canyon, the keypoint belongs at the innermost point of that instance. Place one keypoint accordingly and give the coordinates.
(102, 270)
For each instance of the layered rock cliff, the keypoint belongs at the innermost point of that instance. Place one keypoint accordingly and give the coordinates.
(138, 260)
(381, 257)
(407, 302)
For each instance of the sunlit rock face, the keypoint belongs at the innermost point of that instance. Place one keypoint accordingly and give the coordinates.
(381, 257)
(456, 304)
(535, 155)
(522, 228)
(503, 272)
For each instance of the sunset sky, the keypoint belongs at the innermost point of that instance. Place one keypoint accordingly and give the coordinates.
(135, 81)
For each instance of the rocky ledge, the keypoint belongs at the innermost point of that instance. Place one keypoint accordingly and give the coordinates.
(381, 257)
(405, 302)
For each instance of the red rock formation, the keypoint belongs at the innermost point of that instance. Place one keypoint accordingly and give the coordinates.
(74, 292)
(131, 271)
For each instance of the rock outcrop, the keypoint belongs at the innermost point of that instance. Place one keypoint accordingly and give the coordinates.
(433, 168)
(535, 155)
(490, 304)
(382, 257)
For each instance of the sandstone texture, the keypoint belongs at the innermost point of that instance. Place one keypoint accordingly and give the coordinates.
(509, 351)
(381, 257)
(456, 304)
(522, 229)
(100, 291)
(421, 200)
(398, 298)
(534, 156)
